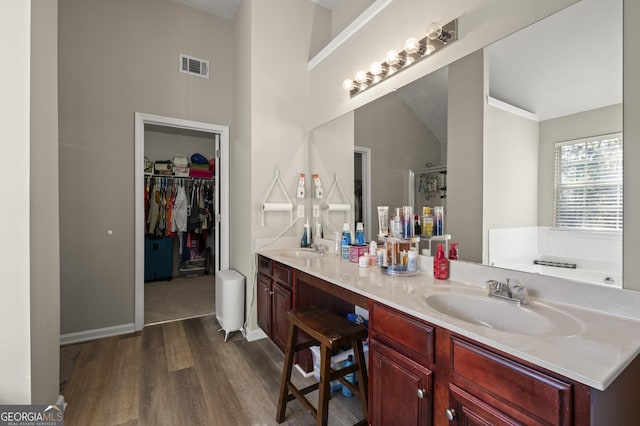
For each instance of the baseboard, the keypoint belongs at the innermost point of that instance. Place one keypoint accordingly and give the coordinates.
(255, 334)
(83, 336)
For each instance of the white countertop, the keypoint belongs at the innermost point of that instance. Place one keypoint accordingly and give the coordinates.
(593, 354)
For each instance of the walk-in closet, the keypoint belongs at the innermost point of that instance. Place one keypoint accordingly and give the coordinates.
(180, 197)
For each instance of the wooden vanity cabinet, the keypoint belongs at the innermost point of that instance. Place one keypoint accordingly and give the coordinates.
(422, 374)
(274, 299)
(487, 388)
(400, 373)
(427, 375)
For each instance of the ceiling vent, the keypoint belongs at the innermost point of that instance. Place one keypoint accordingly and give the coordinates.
(194, 66)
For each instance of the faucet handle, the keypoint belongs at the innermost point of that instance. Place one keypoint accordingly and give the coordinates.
(520, 293)
(492, 286)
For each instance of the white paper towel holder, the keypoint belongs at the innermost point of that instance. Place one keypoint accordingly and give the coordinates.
(277, 207)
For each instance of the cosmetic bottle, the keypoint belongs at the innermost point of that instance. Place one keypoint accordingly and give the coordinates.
(440, 265)
(412, 260)
(438, 220)
(304, 241)
(427, 222)
(453, 251)
(359, 233)
(345, 241)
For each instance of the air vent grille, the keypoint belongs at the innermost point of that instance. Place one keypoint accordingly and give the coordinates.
(194, 66)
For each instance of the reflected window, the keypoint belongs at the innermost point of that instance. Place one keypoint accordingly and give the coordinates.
(588, 184)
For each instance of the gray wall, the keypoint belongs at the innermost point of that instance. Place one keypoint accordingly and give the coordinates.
(467, 90)
(399, 141)
(631, 84)
(117, 58)
(44, 230)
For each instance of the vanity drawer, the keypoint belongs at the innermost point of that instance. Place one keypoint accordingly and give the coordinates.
(282, 274)
(264, 266)
(406, 334)
(509, 386)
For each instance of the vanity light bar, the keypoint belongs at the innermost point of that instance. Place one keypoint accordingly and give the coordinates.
(437, 38)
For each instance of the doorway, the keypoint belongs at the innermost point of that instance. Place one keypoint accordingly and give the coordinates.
(362, 189)
(220, 243)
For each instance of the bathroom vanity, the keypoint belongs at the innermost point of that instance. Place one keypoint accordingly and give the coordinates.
(547, 363)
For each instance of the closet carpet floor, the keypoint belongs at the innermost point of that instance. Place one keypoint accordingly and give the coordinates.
(179, 298)
(183, 373)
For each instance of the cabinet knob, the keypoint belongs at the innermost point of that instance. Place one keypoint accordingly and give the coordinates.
(422, 393)
(450, 414)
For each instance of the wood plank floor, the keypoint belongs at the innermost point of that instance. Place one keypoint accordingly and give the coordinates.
(182, 373)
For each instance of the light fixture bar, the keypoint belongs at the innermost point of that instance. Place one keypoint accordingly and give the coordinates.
(437, 38)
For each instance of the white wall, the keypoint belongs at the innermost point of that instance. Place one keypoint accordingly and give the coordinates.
(44, 218)
(15, 328)
(510, 172)
(271, 119)
(596, 122)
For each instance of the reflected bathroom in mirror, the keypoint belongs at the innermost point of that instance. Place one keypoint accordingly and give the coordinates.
(493, 120)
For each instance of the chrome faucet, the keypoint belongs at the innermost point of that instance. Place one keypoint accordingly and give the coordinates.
(500, 290)
(319, 248)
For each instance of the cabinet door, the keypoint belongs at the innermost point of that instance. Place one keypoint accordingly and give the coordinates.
(465, 409)
(400, 389)
(280, 323)
(264, 303)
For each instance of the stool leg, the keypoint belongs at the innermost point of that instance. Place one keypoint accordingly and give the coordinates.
(363, 383)
(324, 392)
(286, 374)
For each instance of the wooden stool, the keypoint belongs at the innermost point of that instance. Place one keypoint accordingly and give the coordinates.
(329, 331)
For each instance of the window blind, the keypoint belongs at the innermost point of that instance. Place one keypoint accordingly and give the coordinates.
(588, 184)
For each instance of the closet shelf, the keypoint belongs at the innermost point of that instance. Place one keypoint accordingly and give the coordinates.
(156, 175)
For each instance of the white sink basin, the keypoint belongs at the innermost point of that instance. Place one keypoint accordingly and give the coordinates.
(533, 319)
(300, 254)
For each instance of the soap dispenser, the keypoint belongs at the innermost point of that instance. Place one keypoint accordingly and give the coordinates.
(453, 251)
(440, 265)
(306, 236)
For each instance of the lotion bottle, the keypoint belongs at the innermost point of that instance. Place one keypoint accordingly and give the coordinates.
(440, 265)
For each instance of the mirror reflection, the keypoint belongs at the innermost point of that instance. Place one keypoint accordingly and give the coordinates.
(502, 123)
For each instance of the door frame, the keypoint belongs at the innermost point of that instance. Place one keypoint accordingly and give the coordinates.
(221, 238)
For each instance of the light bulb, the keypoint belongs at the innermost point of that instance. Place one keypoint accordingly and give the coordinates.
(429, 49)
(361, 77)
(412, 45)
(347, 85)
(391, 57)
(433, 30)
(376, 68)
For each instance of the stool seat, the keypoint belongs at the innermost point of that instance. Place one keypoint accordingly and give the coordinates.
(325, 327)
(330, 331)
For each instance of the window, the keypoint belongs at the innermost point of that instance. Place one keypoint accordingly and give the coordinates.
(588, 184)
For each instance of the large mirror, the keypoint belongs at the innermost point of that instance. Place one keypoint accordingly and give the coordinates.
(480, 137)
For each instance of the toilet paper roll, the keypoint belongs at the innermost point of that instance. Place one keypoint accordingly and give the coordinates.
(277, 207)
(339, 207)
